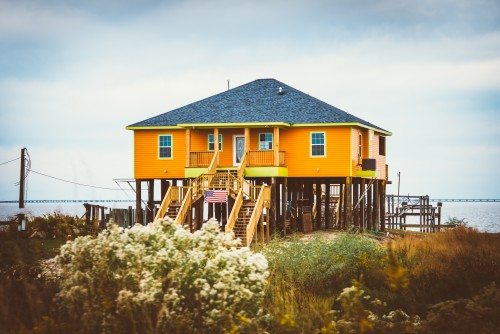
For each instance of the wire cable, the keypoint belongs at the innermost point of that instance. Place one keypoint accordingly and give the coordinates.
(6, 162)
(77, 183)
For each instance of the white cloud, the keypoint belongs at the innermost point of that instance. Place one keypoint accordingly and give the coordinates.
(117, 73)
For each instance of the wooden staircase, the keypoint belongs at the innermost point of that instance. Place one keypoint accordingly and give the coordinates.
(249, 200)
(244, 215)
(173, 210)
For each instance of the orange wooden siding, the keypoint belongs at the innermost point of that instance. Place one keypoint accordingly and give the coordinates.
(381, 160)
(199, 143)
(147, 165)
(370, 150)
(341, 149)
(296, 142)
(365, 147)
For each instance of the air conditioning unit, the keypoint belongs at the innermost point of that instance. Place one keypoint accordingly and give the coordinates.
(369, 164)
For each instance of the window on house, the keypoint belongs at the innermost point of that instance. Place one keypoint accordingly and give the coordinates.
(265, 141)
(165, 146)
(318, 144)
(360, 146)
(211, 144)
(381, 145)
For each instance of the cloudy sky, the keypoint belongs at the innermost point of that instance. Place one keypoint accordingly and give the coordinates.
(74, 74)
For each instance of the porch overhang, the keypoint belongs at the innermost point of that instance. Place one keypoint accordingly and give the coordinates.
(266, 172)
(366, 174)
(194, 172)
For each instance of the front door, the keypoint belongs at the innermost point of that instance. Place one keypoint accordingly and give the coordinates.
(238, 149)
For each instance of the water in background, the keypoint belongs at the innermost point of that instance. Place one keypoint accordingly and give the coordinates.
(483, 216)
(39, 209)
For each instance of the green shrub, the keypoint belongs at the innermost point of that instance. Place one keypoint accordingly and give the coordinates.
(325, 266)
(454, 221)
(59, 225)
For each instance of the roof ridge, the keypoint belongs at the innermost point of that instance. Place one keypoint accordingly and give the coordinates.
(256, 101)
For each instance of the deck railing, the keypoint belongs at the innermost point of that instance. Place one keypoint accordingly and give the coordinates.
(167, 199)
(231, 221)
(264, 158)
(243, 164)
(254, 218)
(174, 194)
(200, 159)
(186, 204)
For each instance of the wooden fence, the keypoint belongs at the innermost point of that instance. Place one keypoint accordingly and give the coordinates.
(103, 215)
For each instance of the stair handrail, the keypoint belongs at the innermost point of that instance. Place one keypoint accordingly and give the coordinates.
(203, 181)
(231, 181)
(243, 183)
(254, 218)
(186, 204)
(242, 166)
(212, 168)
(238, 202)
(167, 199)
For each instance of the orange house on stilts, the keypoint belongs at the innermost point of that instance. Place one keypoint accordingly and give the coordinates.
(286, 161)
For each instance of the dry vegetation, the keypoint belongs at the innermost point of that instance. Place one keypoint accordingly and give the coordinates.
(437, 283)
(442, 277)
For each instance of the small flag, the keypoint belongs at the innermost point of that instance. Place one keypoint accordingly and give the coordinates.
(215, 196)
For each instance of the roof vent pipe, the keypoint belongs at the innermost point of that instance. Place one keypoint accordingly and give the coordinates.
(280, 91)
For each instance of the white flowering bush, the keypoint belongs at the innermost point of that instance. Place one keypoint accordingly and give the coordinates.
(160, 278)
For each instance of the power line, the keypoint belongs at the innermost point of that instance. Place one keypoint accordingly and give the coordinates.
(77, 183)
(6, 162)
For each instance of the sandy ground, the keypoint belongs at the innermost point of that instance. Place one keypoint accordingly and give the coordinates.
(332, 234)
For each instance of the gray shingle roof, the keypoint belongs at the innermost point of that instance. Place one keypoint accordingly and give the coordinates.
(256, 101)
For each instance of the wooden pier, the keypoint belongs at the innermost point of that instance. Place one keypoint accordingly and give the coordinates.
(403, 211)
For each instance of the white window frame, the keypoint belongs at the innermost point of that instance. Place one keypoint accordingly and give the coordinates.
(220, 142)
(360, 147)
(171, 146)
(311, 144)
(272, 141)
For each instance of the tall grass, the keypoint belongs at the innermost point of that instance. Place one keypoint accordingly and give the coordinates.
(449, 265)
(411, 273)
(441, 277)
(305, 278)
(25, 297)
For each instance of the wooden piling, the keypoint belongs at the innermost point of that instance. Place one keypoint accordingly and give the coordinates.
(348, 202)
(362, 211)
(138, 204)
(273, 206)
(151, 201)
(355, 198)
(382, 205)
(164, 185)
(369, 215)
(284, 199)
(319, 203)
(376, 206)
(328, 223)
(210, 210)
(339, 219)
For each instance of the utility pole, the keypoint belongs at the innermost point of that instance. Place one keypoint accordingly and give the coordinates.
(22, 179)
